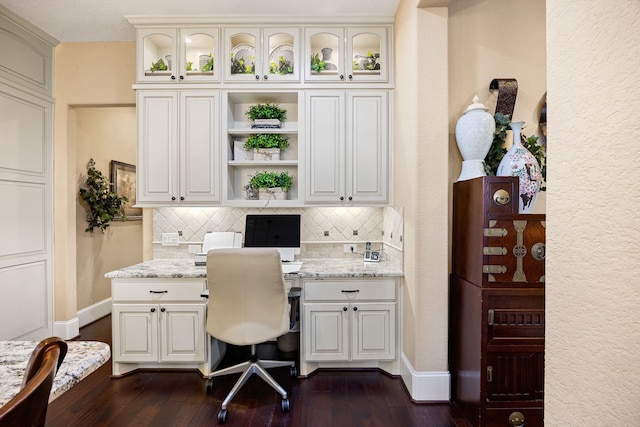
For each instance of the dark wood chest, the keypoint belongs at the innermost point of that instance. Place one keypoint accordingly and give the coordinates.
(496, 332)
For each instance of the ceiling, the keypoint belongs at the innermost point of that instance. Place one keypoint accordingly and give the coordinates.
(104, 20)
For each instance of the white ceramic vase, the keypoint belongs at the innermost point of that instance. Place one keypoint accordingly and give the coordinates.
(474, 135)
(518, 161)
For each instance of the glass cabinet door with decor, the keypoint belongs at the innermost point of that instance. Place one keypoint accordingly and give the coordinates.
(170, 55)
(263, 56)
(354, 54)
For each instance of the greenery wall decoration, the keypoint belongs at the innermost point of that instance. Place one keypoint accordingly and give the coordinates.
(497, 150)
(102, 203)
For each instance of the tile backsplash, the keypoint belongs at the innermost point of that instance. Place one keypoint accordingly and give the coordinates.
(323, 231)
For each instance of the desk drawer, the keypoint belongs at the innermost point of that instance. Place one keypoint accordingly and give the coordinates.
(356, 290)
(153, 290)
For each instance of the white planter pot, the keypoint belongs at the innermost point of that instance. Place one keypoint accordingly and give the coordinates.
(266, 154)
(239, 153)
(266, 124)
(276, 193)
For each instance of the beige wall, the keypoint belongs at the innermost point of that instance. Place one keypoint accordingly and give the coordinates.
(86, 74)
(592, 357)
(497, 39)
(420, 180)
(103, 134)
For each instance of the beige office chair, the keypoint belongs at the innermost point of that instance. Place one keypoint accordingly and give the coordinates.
(248, 305)
(29, 406)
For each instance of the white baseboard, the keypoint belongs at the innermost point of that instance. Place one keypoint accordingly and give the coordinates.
(66, 329)
(71, 328)
(425, 386)
(94, 312)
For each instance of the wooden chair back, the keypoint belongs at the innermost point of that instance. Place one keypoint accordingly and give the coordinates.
(29, 406)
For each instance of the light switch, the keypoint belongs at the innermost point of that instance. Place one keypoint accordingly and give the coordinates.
(170, 239)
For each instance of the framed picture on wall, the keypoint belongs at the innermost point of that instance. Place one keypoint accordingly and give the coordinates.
(123, 183)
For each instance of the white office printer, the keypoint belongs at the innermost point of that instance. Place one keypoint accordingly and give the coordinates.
(218, 240)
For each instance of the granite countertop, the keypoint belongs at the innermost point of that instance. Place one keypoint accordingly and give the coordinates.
(311, 268)
(82, 358)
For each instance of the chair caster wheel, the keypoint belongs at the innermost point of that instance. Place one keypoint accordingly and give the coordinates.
(209, 387)
(285, 405)
(293, 372)
(222, 416)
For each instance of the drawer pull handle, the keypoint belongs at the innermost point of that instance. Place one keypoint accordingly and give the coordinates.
(516, 419)
(153, 310)
(158, 292)
(350, 291)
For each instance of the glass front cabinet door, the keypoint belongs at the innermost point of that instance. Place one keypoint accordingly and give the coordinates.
(262, 55)
(357, 54)
(171, 55)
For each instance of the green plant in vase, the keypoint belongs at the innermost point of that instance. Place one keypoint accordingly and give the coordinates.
(159, 65)
(266, 140)
(317, 64)
(207, 66)
(283, 66)
(269, 180)
(266, 111)
(240, 66)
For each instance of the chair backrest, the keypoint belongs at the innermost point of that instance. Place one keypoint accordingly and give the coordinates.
(247, 296)
(29, 406)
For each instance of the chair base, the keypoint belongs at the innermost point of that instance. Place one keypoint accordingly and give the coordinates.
(254, 366)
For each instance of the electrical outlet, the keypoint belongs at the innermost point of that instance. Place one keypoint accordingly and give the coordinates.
(170, 239)
(349, 248)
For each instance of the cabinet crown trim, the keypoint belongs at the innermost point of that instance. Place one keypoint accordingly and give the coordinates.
(199, 20)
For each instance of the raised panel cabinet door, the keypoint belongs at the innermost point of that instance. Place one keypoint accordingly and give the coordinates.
(135, 332)
(326, 332)
(199, 147)
(157, 146)
(367, 176)
(373, 331)
(182, 332)
(324, 153)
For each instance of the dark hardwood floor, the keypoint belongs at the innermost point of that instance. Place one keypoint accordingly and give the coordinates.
(178, 398)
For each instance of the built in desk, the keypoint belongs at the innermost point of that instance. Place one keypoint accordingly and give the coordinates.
(159, 315)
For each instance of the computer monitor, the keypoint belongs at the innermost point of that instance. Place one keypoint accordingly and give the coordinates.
(281, 232)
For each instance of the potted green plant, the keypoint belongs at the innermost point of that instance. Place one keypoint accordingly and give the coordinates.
(317, 64)
(271, 185)
(266, 115)
(266, 146)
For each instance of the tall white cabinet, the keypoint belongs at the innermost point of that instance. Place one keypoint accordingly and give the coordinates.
(26, 180)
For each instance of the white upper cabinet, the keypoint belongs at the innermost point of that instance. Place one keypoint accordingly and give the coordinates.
(178, 147)
(347, 147)
(171, 55)
(262, 55)
(353, 54)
